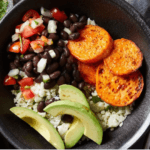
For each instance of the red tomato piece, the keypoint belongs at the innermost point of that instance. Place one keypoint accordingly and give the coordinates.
(9, 80)
(25, 45)
(15, 47)
(28, 31)
(37, 45)
(22, 88)
(28, 94)
(59, 15)
(26, 82)
(30, 14)
(18, 26)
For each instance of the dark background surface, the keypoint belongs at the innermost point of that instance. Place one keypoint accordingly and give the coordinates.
(143, 7)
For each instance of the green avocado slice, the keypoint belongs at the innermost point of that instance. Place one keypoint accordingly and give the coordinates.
(74, 134)
(73, 94)
(40, 124)
(76, 130)
(93, 129)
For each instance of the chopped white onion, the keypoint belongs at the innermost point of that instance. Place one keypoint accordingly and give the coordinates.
(13, 72)
(23, 25)
(17, 31)
(52, 53)
(41, 65)
(45, 12)
(22, 74)
(67, 30)
(37, 22)
(52, 26)
(46, 77)
(15, 37)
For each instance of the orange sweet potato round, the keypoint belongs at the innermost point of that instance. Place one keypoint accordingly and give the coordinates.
(88, 72)
(125, 58)
(93, 45)
(118, 90)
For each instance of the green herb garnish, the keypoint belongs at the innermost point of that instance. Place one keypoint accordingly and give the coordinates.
(16, 76)
(36, 22)
(3, 8)
(22, 56)
(96, 99)
(20, 39)
(17, 91)
(46, 81)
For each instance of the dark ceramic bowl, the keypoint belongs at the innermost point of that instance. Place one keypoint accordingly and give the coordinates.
(121, 21)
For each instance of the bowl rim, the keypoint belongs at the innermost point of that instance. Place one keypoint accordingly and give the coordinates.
(137, 17)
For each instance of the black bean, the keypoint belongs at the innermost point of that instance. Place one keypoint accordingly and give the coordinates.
(16, 87)
(17, 56)
(28, 56)
(44, 72)
(64, 35)
(81, 85)
(83, 19)
(47, 48)
(67, 23)
(12, 65)
(24, 67)
(73, 28)
(40, 54)
(49, 101)
(74, 83)
(79, 25)
(50, 84)
(45, 33)
(57, 54)
(29, 74)
(74, 36)
(63, 60)
(55, 75)
(35, 70)
(61, 43)
(77, 76)
(74, 73)
(30, 50)
(67, 77)
(69, 67)
(67, 118)
(66, 52)
(60, 49)
(34, 37)
(75, 67)
(73, 18)
(60, 27)
(35, 60)
(29, 66)
(61, 80)
(41, 106)
(71, 59)
(53, 67)
(39, 79)
(47, 56)
(53, 36)
(45, 19)
(17, 63)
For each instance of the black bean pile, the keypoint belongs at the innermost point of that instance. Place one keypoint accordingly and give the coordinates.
(63, 68)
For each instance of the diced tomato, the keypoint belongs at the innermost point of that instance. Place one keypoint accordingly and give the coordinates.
(28, 94)
(18, 26)
(26, 82)
(9, 80)
(15, 47)
(59, 15)
(28, 31)
(25, 45)
(37, 45)
(30, 14)
(44, 39)
(39, 29)
(22, 88)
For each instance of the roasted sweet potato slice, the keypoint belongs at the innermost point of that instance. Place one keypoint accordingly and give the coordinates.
(93, 45)
(88, 72)
(118, 90)
(125, 58)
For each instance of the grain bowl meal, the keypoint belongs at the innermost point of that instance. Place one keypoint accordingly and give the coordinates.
(70, 79)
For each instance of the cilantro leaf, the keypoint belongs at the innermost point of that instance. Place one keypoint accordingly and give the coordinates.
(96, 99)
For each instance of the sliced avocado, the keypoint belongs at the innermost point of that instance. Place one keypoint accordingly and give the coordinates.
(74, 134)
(73, 94)
(93, 129)
(40, 124)
(76, 129)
